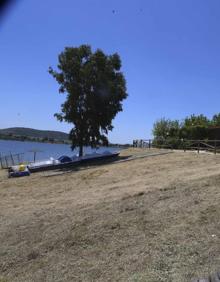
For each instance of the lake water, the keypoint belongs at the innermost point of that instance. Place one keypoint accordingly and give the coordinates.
(46, 150)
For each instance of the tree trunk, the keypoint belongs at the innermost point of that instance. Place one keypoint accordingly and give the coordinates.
(80, 150)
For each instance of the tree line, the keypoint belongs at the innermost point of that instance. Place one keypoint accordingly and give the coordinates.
(194, 127)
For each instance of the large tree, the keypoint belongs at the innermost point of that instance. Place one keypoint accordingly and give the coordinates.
(95, 88)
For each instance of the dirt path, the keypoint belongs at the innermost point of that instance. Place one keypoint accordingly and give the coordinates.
(150, 219)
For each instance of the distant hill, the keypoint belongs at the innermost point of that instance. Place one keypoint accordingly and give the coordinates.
(33, 133)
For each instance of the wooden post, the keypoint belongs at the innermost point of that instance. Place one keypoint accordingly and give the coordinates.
(6, 162)
(215, 147)
(1, 160)
(198, 147)
(149, 143)
(12, 160)
(172, 146)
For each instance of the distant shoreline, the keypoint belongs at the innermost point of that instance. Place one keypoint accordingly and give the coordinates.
(41, 136)
(34, 139)
(64, 142)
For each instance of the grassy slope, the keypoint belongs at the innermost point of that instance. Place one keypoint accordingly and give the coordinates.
(154, 219)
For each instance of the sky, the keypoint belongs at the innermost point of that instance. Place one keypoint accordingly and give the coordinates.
(170, 52)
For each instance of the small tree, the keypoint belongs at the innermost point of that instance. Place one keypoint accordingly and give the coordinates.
(95, 89)
(216, 120)
(195, 127)
(166, 128)
(194, 120)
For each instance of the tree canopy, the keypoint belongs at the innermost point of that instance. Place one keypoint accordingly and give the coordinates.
(95, 88)
(192, 127)
(194, 120)
(165, 128)
(216, 120)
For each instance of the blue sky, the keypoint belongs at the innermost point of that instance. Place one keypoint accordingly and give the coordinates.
(170, 53)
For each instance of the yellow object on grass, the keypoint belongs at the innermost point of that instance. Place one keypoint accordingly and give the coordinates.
(22, 167)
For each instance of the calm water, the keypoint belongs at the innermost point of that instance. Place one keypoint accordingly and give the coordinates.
(46, 150)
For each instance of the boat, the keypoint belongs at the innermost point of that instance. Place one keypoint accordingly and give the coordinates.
(66, 161)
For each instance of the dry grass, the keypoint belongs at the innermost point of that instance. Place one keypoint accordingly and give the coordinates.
(152, 219)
